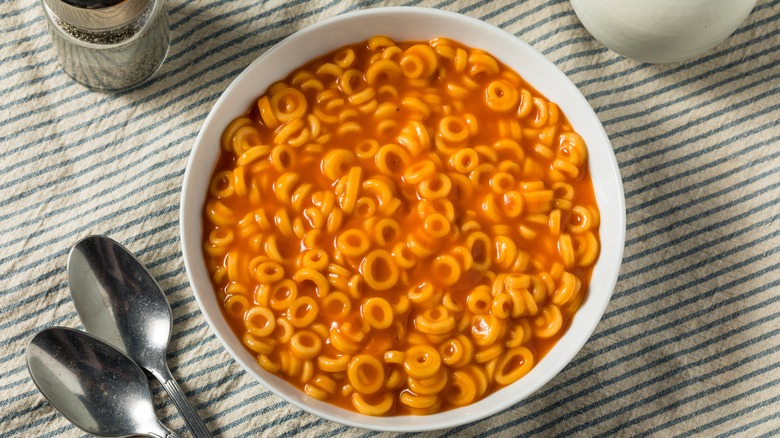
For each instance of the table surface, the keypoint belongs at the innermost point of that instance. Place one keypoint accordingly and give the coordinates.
(690, 343)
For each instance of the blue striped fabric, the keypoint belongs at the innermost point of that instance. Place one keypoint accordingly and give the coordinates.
(690, 344)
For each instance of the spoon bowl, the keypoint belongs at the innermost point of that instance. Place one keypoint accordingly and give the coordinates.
(93, 384)
(119, 300)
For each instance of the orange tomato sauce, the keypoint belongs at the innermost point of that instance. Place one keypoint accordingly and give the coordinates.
(235, 234)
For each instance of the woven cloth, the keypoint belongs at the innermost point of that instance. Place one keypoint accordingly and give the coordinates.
(689, 345)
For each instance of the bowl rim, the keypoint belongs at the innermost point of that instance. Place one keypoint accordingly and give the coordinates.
(194, 202)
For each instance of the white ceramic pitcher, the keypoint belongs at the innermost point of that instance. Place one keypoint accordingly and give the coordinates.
(660, 31)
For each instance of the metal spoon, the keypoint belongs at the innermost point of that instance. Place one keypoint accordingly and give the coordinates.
(93, 384)
(119, 300)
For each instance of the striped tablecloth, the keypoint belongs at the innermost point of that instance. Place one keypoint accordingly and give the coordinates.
(690, 343)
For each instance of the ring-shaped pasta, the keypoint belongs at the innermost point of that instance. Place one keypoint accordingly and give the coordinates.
(569, 286)
(281, 158)
(381, 406)
(269, 272)
(394, 357)
(586, 248)
(419, 61)
(282, 294)
(569, 170)
(436, 187)
(501, 96)
(548, 322)
(336, 163)
(284, 186)
(383, 71)
(290, 365)
(479, 300)
(419, 172)
(351, 82)
(220, 237)
(486, 328)
(355, 286)
(325, 383)
(284, 330)
(453, 352)
(344, 58)
(502, 305)
(462, 389)
(506, 252)
(453, 129)
(307, 372)
(352, 184)
(378, 43)
(236, 306)
(353, 242)
(572, 148)
(515, 363)
(464, 160)
(258, 346)
(385, 231)
(581, 220)
(419, 401)
(305, 344)
(228, 135)
(436, 225)
(314, 278)
(402, 256)
(555, 222)
(480, 63)
(379, 270)
(333, 365)
(365, 207)
(515, 280)
(239, 181)
(421, 245)
(502, 182)
(221, 185)
(435, 321)
(316, 259)
(446, 270)
(267, 115)
(259, 321)
(479, 244)
(253, 154)
(541, 114)
(303, 311)
(366, 149)
(366, 373)
(422, 361)
(486, 355)
(377, 312)
(336, 305)
(288, 104)
(431, 385)
(566, 250)
(315, 392)
(391, 159)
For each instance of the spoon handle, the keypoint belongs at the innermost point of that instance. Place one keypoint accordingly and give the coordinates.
(173, 389)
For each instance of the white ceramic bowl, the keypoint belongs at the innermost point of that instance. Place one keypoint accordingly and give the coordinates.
(408, 24)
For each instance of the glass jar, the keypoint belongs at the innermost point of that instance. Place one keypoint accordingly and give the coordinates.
(108, 44)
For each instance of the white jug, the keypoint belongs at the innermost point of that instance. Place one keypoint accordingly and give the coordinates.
(660, 31)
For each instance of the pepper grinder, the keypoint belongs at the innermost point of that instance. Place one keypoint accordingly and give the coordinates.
(108, 44)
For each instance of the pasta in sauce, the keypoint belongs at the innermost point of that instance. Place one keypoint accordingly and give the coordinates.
(401, 228)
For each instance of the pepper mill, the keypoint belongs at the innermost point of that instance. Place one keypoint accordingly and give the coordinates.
(108, 44)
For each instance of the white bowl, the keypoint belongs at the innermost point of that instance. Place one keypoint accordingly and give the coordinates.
(408, 24)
